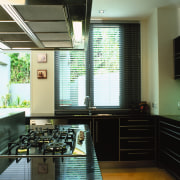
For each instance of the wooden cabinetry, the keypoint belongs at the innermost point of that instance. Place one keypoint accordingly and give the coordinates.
(106, 138)
(118, 138)
(137, 139)
(169, 145)
(177, 58)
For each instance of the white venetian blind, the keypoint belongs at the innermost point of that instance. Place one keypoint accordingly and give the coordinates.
(105, 65)
(71, 78)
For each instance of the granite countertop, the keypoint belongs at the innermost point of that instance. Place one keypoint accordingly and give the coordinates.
(173, 117)
(33, 168)
(8, 114)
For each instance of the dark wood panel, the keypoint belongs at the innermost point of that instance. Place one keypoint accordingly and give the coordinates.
(136, 155)
(169, 149)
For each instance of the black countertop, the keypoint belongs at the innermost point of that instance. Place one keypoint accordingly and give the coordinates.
(52, 168)
(173, 117)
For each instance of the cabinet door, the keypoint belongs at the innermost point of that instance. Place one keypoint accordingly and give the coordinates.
(169, 149)
(106, 138)
(136, 139)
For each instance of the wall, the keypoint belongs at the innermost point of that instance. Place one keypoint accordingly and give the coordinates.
(21, 91)
(169, 89)
(42, 90)
(4, 80)
(152, 64)
(164, 91)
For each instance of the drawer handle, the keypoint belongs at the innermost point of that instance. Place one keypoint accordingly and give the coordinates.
(137, 120)
(137, 141)
(166, 133)
(162, 122)
(138, 153)
(138, 129)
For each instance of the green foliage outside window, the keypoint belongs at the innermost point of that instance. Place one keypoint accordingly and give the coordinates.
(19, 73)
(20, 67)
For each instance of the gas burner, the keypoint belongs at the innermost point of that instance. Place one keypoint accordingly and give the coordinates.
(23, 148)
(44, 139)
(40, 141)
(55, 147)
(20, 148)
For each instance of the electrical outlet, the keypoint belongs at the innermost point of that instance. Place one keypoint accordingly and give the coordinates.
(178, 104)
(154, 105)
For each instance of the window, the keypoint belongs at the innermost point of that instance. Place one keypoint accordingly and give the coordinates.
(108, 72)
(15, 81)
(71, 78)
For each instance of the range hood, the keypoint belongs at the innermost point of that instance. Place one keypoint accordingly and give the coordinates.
(43, 24)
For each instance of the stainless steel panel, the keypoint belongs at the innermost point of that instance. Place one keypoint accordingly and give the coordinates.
(41, 12)
(58, 44)
(48, 26)
(53, 36)
(9, 27)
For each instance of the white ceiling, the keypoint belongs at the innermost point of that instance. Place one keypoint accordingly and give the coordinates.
(128, 9)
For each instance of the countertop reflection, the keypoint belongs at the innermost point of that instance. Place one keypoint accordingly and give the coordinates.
(52, 168)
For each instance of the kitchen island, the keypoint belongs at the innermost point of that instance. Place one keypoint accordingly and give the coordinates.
(52, 167)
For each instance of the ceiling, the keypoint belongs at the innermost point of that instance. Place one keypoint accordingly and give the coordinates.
(39, 24)
(127, 9)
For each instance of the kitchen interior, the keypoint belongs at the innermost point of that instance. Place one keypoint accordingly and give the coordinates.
(93, 143)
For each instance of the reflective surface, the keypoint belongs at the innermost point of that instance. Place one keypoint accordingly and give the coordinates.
(49, 168)
(52, 168)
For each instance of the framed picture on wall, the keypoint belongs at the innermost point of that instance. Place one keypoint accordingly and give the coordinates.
(42, 74)
(42, 57)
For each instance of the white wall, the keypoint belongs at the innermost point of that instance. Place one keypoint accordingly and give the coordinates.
(169, 88)
(149, 65)
(163, 90)
(5, 71)
(42, 90)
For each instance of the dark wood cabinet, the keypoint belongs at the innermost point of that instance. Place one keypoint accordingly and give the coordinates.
(137, 139)
(177, 58)
(106, 138)
(169, 145)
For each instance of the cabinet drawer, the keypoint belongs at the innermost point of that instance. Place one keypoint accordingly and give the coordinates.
(146, 143)
(171, 162)
(169, 141)
(124, 122)
(136, 155)
(170, 129)
(136, 131)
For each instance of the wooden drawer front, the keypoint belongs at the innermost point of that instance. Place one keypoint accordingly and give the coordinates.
(124, 122)
(169, 141)
(136, 131)
(136, 155)
(170, 129)
(136, 143)
(171, 162)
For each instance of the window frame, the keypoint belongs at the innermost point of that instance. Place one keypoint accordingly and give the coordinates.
(89, 82)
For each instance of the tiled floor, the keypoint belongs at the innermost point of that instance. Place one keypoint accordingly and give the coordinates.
(136, 174)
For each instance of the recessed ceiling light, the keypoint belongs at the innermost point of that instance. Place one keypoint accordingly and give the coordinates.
(101, 11)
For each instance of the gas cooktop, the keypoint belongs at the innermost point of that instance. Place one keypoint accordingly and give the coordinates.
(49, 140)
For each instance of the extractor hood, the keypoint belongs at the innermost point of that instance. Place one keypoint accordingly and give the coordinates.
(44, 24)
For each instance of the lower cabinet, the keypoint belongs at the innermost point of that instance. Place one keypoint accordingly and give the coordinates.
(137, 142)
(169, 145)
(106, 138)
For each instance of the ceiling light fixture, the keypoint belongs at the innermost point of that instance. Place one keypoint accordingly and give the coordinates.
(77, 28)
